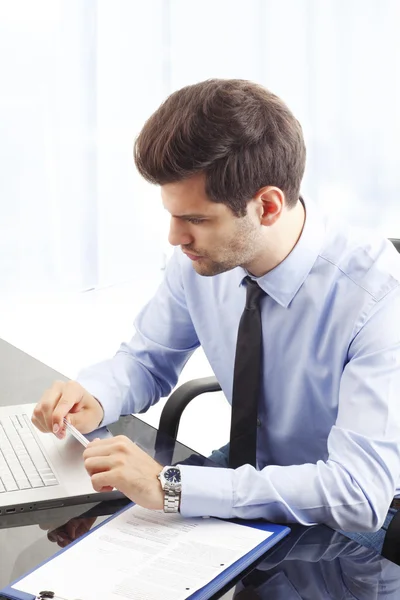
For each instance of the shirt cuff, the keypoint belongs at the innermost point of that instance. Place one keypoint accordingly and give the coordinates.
(111, 408)
(206, 491)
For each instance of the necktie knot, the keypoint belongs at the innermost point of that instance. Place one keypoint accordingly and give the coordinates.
(254, 293)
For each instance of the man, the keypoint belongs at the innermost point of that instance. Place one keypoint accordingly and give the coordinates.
(229, 157)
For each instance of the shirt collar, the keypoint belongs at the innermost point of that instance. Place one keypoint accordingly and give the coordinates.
(283, 282)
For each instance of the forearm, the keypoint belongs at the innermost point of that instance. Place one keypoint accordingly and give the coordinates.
(325, 492)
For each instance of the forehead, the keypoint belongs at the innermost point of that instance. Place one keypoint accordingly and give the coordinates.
(189, 197)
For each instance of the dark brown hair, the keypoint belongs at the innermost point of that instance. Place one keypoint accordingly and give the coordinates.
(239, 134)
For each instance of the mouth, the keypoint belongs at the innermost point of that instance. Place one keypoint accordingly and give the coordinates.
(192, 256)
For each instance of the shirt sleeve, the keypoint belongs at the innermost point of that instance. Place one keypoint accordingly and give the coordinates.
(148, 367)
(353, 488)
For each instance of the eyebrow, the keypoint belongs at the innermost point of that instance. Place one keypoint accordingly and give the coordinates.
(191, 216)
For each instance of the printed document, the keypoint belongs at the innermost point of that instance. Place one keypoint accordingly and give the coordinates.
(144, 555)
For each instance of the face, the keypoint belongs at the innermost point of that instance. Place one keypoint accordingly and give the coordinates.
(211, 236)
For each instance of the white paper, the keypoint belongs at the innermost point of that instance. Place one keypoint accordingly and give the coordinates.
(144, 555)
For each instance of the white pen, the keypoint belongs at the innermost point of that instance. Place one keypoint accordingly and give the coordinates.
(77, 434)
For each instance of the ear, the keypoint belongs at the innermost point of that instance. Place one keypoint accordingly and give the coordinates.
(270, 202)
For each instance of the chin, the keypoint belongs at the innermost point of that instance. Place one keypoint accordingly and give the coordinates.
(209, 270)
(202, 270)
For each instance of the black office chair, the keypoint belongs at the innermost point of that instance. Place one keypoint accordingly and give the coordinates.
(180, 398)
(396, 243)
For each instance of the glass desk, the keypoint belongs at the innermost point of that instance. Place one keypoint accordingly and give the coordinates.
(314, 563)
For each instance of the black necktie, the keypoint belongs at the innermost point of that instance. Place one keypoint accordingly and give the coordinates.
(246, 381)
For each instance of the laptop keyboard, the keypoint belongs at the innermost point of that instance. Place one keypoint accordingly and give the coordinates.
(23, 464)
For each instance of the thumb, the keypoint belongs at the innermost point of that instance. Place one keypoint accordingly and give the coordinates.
(78, 420)
(83, 420)
(66, 404)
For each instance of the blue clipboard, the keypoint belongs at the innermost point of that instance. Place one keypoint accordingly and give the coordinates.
(211, 588)
(216, 584)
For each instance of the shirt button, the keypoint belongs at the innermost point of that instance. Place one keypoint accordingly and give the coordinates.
(258, 423)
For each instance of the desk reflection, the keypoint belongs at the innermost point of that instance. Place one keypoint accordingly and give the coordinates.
(319, 564)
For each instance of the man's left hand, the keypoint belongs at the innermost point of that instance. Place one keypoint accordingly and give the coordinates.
(119, 463)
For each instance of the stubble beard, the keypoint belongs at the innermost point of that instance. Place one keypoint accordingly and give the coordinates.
(238, 253)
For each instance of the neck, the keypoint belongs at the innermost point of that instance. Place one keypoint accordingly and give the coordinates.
(279, 241)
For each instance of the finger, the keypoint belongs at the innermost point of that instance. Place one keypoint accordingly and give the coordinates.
(117, 439)
(111, 446)
(42, 413)
(71, 527)
(98, 449)
(52, 536)
(119, 443)
(62, 542)
(102, 482)
(103, 441)
(59, 537)
(83, 527)
(71, 395)
(98, 464)
(78, 414)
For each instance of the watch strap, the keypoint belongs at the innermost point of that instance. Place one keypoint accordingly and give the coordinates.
(171, 500)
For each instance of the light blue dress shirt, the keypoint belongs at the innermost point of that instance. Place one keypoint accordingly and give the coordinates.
(328, 448)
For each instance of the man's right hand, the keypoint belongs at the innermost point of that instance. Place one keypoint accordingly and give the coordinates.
(71, 400)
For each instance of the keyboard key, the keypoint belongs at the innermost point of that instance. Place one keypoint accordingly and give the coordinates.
(15, 421)
(50, 482)
(23, 484)
(5, 473)
(9, 483)
(22, 461)
(17, 471)
(36, 482)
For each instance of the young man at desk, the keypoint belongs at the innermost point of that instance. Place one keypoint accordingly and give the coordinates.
(299, 317)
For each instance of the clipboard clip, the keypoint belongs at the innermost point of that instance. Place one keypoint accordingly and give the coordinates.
(48, 595)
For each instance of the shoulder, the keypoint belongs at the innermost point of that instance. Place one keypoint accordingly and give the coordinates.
(365, 259)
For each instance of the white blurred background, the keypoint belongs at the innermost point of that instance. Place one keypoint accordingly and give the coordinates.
(83, 240)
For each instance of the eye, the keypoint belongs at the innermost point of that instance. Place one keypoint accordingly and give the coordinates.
(196, 221)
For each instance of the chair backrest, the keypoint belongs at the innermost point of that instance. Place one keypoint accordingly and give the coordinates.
(396, 243)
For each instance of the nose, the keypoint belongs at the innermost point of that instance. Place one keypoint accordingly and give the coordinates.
(178, 233)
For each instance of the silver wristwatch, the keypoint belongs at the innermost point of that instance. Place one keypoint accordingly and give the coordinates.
(170, 479)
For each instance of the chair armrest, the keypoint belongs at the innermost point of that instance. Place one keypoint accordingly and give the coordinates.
(180, 398)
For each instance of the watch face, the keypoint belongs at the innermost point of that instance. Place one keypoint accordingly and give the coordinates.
(173, 475)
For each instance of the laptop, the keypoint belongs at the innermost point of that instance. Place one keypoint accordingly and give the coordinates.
(39, 471)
